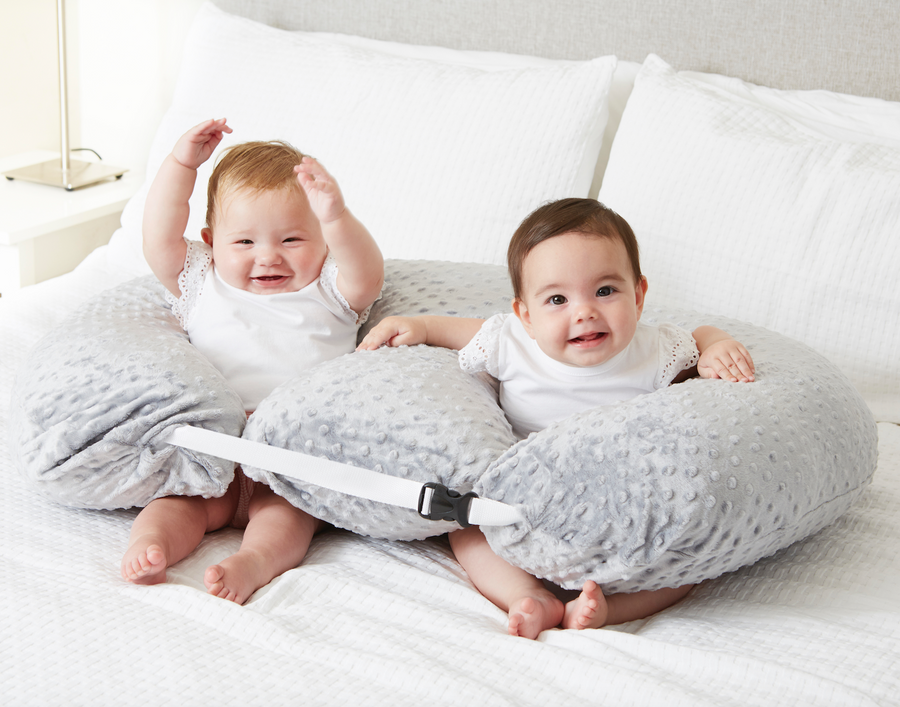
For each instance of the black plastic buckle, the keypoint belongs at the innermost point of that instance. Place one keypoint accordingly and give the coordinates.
(446, 504)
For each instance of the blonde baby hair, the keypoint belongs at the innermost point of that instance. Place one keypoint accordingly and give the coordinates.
(257, 166)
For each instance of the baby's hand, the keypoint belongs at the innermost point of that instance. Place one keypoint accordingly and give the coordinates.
(197, 144)
(323, 192)
(394, 331)
(728, 360)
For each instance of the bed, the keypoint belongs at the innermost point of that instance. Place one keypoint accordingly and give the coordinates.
(756, 154)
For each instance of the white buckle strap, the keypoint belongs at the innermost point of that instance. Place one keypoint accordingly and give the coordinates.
(432, 501)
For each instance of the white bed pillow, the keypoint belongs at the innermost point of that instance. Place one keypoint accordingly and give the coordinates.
(777, 207)
(438, 159)
(620, 89)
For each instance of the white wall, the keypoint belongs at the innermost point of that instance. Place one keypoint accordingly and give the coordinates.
(29, 117)
(123, 58)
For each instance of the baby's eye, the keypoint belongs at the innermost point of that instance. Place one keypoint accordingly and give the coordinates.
(245, 241)
(557, 299)
(605, 291)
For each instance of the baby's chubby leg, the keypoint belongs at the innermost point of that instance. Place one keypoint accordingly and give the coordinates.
(168, 529)
(532, 608)
(276, 539)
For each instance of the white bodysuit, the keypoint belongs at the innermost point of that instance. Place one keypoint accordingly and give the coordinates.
(260, 341)
(536, 390)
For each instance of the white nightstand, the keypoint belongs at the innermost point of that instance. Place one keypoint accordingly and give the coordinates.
(46, 231)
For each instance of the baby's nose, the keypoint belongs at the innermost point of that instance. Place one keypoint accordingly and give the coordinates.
(268, 256)
(586, 310)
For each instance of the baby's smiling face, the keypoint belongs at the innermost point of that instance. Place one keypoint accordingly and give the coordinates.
(267, 242)
(579, 301)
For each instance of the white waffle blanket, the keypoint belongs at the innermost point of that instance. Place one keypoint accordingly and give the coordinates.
(371, 622)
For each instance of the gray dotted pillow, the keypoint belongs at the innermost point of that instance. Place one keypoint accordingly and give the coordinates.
(97, 392)
(668, 488)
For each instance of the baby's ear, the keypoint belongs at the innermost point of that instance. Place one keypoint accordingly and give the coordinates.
(521, 312)
(640, 293)
(206, 233)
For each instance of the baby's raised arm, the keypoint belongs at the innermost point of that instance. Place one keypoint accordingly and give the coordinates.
(449, 332)
(359, 261)
(722, 357)
(166, 210)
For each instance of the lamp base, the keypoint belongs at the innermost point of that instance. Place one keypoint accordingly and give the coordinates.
(80, 174)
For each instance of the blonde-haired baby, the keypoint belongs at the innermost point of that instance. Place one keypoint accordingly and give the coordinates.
(282, 280)
(573, 342)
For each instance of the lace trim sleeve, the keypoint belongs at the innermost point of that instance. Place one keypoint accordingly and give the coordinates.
(190, 282)
(677, 352)
(482, 353)
(328, 283)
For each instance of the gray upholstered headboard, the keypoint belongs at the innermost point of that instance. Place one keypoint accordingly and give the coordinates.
(851, 46)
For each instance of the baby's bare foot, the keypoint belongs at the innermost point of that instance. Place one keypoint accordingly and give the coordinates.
(144, 563)
(588, 609)
(237, 577)
(531, 615)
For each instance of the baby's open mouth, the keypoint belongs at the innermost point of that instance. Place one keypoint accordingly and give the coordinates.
(588, 338)
(269, 278)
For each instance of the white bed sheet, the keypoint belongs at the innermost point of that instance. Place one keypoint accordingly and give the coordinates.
(380, 623)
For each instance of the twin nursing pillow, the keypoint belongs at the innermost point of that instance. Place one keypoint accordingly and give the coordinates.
(669, 488)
